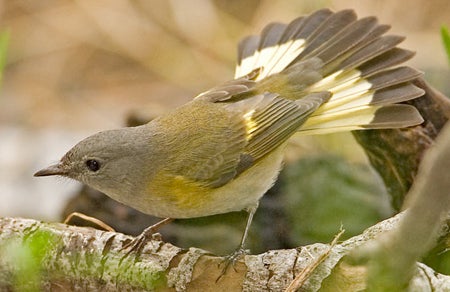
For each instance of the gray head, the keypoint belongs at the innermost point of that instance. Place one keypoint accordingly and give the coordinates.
(110, 161)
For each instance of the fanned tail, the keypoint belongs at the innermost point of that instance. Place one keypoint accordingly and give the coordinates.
(359, 65)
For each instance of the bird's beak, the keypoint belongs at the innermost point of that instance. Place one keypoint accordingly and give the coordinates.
(56, 169)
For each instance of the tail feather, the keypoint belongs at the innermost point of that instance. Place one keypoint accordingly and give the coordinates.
(307, 27)
(388, 59)
(392, 77)
(350, 90)
(358, 67)
(365, 117)
(342, 43)
(370, 51)
(290, 45)
(328, 32)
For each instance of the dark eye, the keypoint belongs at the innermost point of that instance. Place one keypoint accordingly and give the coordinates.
(93, 165)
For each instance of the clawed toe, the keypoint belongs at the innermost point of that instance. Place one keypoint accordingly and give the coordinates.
(230, 260)
(138, 243)
(135, 246)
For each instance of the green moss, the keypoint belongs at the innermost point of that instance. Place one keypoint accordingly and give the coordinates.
(26, 258)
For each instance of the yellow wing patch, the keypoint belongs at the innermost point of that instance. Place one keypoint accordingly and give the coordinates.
(250, 124)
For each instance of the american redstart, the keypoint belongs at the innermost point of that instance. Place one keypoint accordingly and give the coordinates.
(223, 150)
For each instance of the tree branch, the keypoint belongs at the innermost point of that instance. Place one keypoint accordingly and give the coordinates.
(397, 153)
(80, 257)
(394, 254)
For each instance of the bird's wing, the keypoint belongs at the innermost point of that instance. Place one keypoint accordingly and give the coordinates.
(251, 125)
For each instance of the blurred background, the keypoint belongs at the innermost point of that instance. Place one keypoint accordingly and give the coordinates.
(75, 67)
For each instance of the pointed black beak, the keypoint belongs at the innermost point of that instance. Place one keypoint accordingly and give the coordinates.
(56, 169)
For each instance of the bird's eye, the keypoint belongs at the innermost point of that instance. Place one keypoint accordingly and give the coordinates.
(93, 165)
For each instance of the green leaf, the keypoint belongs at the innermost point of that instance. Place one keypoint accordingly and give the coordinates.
(326, 193)
(446, 40)
(4, 41)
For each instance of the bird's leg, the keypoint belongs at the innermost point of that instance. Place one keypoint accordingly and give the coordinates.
(232, 258)
(138, 243)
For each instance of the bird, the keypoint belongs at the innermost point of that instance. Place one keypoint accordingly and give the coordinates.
(220, 152)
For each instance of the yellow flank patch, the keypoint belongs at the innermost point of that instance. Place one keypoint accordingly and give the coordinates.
(250, 124)
(178, 191)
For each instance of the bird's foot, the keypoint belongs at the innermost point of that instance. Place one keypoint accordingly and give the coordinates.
(231, 260)
(138, 243)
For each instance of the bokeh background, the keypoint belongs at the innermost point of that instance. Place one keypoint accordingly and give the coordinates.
(75, 67)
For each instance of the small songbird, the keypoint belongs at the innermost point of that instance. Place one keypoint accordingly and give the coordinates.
(220, 152)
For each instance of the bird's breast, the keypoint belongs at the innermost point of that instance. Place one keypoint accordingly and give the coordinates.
(175, 196)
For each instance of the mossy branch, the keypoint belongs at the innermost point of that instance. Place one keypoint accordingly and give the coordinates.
(79, 257)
